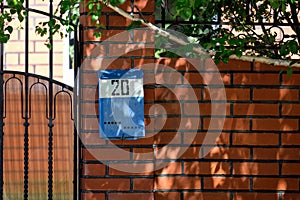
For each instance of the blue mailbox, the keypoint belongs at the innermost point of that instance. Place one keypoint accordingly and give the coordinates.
(121, 104)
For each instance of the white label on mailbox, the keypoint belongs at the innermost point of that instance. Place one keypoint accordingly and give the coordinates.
(117, 88)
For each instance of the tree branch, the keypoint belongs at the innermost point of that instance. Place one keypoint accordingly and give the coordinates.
(201, 51)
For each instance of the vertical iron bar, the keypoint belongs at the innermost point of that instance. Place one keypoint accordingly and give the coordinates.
(50, 125)
(1, 111)
(76, 62)
(26, 123)
(78, 98)
(163, 14)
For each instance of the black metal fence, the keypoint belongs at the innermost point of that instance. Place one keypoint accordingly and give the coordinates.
(38, 140)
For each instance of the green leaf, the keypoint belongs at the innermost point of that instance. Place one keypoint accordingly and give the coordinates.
(186, 13)
(91, 6)
(238, 53)
(13, 11)
(20, 17)
(48, 45)
(293, 46)
(289, 71)
(9, 29)
(4, 38)
(95, 17)
(134, 24)
(97, 34)
(51, 22)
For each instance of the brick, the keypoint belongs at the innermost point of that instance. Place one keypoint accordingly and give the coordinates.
(255, 139)
(90, 79)
(93, 196)
(165, 78)
(256, 109)
(226, 183)
(175, 152)
(276, 94)
(290, 109)
(93, 170)
(181, 183)
(290, 169)
(105, 184)
(131, 169)
(232, 94)
(145, 61)
(234, 65)
(209, 78)
(145, 5)
(149, 77)
(266, 67)
(193, 78)
(206, 108)
(12, 58)
(181, 64)
(289, 196)
(255, 195)
(147, 140)
(275, 184)
(166, 195)
(291, 80)
(177, 94)
(144, 36)
(105, 154)
(94, 50)
(18, 46)
(227, 153)
(177, 124)
(290, 139)
(90, 123)
(169, 168)
(115, 35)
(138, 49)
(229, 124)
(167, 109)
(207, 168)
(211, 138)
(252, 168)
(167, 137)
(206, 195)
(143, 153)
(119, 21)
(143, 184)
(124, 196)
(276, 153)
(149, 94)
(256, 79)
(275, 124)
(91, 139)
(106, 63)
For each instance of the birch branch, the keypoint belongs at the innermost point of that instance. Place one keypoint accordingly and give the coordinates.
(200, 51)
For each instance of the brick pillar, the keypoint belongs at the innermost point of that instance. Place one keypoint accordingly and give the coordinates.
(105, 180)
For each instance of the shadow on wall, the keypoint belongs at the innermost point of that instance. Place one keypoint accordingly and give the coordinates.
(258, 150)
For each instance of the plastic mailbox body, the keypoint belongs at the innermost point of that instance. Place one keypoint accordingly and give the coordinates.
(121, 104)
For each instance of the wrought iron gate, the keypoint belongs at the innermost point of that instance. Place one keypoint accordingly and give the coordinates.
(38, 140)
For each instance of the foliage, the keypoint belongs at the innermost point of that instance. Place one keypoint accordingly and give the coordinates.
(224, 27)
(240, 27)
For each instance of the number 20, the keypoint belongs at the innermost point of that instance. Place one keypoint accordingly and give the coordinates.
(124, 87)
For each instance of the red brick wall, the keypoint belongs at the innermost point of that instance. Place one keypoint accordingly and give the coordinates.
(255, 157)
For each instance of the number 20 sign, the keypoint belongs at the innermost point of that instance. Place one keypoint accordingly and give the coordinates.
(121, 104)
